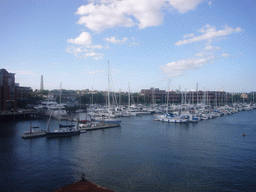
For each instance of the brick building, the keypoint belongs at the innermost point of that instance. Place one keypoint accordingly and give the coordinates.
(23, 93)
(7, 91)
(192, 97)
(153, 92)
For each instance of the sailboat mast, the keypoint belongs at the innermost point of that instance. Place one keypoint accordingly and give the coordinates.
(253, 97)
(108, 90)
(120, 98)
(197, 93)
(129, 97)
(92, 95)
(59, 103)
(168, 96)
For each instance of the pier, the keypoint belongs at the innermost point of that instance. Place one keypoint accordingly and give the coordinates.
(97, 127)
(33, 135)
(29, 135)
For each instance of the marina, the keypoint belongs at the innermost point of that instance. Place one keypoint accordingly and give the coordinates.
(156, 97)
(211, 155)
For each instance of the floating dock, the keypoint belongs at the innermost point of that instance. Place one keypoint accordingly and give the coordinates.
(82, 130)
(32, 135)
(97, 127)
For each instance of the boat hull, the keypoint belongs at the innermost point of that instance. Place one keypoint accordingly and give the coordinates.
(62, 133)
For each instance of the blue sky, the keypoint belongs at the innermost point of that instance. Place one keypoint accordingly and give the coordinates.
(146, 42)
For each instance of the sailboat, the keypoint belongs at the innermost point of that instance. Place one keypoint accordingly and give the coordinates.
(108, 119)
(64, 130)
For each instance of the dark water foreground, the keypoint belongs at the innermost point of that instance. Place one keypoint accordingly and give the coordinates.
(141, 155)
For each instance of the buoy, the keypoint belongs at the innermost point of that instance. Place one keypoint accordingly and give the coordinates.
(243, 134)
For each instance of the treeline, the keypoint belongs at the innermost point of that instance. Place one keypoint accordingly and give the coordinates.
(38, 96)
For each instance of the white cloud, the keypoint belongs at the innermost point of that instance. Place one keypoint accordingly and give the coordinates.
(211, 48)
(206, 55)
(178, 68)
(96, 47)
(94, 55)
(209, 33)
(99, 15)
(184, 6)
(115, 41)
(226, 55)
(188, 35)
(83, 39)
(73, 49)
(84, 53)
(84, 45)
(210, 3)
(134, 44)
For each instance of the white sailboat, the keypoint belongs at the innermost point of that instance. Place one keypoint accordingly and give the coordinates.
(64, 130)
(109, 119)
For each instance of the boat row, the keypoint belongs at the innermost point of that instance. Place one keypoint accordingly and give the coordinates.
(196, 114)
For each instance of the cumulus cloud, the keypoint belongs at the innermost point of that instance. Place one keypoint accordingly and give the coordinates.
(188, 35)
(83, 47)
(95, 55)
(99, 15)
(134, 44)
(115, 41)
(209, 33)
(184, 6)
(82, 52)
(178, 68)
(226, 55)
(211, 48)
(83, 39)
(206, 55)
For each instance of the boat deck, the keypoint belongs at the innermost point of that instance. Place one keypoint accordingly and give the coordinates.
(83, 186)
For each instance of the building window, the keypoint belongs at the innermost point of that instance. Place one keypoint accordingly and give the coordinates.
(9, 81)
(1, 80)
(12, 92)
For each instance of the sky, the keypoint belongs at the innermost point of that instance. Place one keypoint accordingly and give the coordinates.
(146, 43)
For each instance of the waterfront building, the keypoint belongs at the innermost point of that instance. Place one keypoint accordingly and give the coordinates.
(155, 94)
(66, 95)
(23, 93)
(7, 91)
(193, 97)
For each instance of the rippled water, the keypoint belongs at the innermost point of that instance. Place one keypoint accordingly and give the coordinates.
(141, 155)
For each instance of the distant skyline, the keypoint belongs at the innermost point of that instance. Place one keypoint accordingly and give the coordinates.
(146, 42)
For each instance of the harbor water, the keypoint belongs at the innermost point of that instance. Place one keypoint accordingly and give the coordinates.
(141, 155)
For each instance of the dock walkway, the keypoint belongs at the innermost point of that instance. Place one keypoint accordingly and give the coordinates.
(82, 130)
(106, 126)
(32, 135)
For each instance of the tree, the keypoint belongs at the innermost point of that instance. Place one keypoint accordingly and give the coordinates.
(237, 98)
